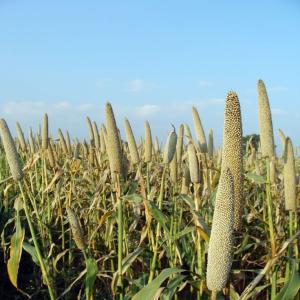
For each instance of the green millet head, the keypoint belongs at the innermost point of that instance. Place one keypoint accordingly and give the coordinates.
(156, 145)
(76, 229)
(289, 177)
(199, 130)
(50, 156)
(282, 139)
(174, 169)
(232, 156)
(12, 155)
(62, 141)
(91, 133)
(31, 142)
(186, 180)
(193, 163)
(210, 146)
(21, 137)
(170, 147)
(113, 145)
(68, 142)
(76, 150)
(187, 132)
(131, 143)
(265, 121)
(179, 145)
(45, 132)
(219, 258)
(96, 135)
(103, 138)
(148, 143)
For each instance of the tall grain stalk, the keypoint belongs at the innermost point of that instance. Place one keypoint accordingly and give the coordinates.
(289, 176)
(169, 151)
(115, 161)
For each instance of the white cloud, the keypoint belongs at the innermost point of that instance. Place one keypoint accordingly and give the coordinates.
(62, 105)
(147, 110)
(204, 83)
(38, 108)
(85, 107)
(136, 85)
(23, 108)
(139, 85)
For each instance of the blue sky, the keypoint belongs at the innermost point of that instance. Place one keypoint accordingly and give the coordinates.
(152, 60)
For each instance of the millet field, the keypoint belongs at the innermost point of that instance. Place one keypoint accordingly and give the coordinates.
(144, 218)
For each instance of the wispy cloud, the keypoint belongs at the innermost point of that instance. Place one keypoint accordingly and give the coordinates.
(23, 108)
(140, 85)
(85, 107)
(136, 85)
(37, 108)
(62, 105)
(146, 110)
(205, 83)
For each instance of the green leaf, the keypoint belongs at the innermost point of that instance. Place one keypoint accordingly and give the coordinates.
(57, 258)
(126, 263)
(190, 202)
(291, 288)
(31, 250)
(133, 198)
(16, 244)
(15, 253)
(256, 178)
(233, 294)
(180, 234)
(91, 273)
(150, 290)
(159, 217)
(170, 290)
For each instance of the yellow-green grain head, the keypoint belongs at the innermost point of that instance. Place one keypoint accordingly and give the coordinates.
(62, 140)
(232, 156)
(148, 143)
(265, 121)
(210, 146)
(134, 155)
(76, 229)
(179, 145)
(193, 163)
(31, 142)
(219, 258)
(45, 132)
(113, 145)
(289, 177)
(91, 132)
(170, 147)
(96, 135)
(21, 137)
(12, 155)
(199, 130)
